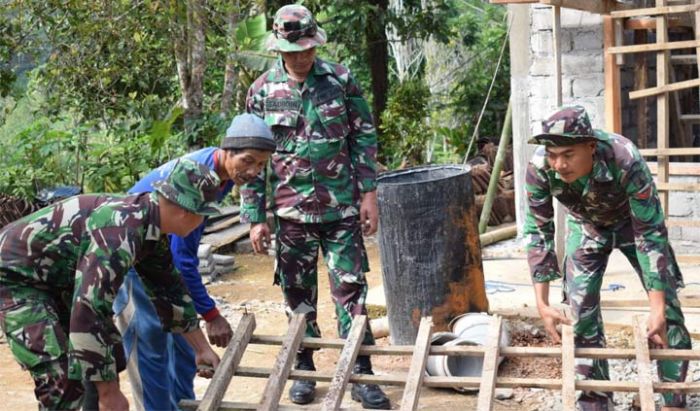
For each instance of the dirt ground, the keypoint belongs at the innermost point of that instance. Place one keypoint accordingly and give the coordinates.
(250, 287)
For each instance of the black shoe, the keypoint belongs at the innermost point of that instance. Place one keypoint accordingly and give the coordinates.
(371, 396)
(303, 391)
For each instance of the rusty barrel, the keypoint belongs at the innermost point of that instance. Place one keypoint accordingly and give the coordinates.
(429, 248)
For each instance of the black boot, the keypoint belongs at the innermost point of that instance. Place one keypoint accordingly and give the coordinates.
(371, 396)
(303, 391)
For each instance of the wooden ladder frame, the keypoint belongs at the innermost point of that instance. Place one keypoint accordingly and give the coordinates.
(416, 378)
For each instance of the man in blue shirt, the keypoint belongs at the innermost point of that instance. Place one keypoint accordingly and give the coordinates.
(161, 365)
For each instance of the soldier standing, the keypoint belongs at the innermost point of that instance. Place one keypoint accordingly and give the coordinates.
(323, 183)
(61, 267)
(612, 202)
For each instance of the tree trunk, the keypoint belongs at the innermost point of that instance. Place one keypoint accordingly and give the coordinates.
(188, 27)
(378, 57)
(230, 74)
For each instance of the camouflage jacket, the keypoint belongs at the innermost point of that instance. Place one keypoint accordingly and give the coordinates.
(326, 145)
(620, 187)
(78, 251)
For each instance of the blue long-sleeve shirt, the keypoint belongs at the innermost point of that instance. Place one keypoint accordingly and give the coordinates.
(184, 249)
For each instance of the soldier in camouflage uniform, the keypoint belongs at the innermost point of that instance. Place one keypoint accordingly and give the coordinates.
(61, 267)
(323, 184)
(612, 202)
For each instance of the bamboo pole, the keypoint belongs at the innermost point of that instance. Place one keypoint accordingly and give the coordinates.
(496, 170)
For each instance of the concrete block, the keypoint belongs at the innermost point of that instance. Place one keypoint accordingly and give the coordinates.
(542, 66)
(540, 19)
(542, 88)
(589, 40)
(571, 18)
(674, 233)
(541, 43)
(581, 64)
(690, 234)
(588, 86)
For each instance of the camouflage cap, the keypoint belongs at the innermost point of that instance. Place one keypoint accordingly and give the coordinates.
(567, 126)
(294, 29)
(192, 186)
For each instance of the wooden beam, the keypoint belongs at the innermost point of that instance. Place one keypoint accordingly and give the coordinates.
(654, 91)
(654, 11)
(641, 68)
(649, 23)
(591, 6)
(613, 113)
(568, 368)
(343, 370)
(478, 351)
(646, 389)
(676, 222)
(229, 362)
(655, 152)
(489, 369)
(662, 117)
(416, 371)
(678, 186)
(686, 302)
(658, 46)
(283, 365)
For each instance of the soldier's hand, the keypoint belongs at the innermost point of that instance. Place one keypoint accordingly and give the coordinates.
(552, 318)
(369, 214)
(656, 329)
(260, 237)
(219, 331)
(110, 396)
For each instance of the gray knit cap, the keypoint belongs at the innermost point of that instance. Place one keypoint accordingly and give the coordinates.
(248, 131)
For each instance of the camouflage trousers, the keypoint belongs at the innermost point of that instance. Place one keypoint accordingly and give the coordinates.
(346, 259)
(36, 327)
(587, 250)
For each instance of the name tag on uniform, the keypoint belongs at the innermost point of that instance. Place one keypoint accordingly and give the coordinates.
(327, 94)
(282, 104)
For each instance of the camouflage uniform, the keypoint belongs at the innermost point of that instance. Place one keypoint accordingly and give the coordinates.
(326, 157)
(60, 268)
(615, 206)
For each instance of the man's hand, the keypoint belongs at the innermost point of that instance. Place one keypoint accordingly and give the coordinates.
(260, 237)
(206, 361)
(656, 324)
(552, 318)
(219, 331)
(369, 214)
(110, 396)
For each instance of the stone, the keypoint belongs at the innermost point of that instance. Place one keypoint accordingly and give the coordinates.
(244, 246)
(503, 393)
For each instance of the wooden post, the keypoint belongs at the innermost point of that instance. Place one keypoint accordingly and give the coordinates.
(613, 120)
(227, 367)
(345, 364)
(640, 83)
(646, 388)
(568, 368)
(662, 118)
(559, 210)
(489, 370)
(283, 364)
(416, 372)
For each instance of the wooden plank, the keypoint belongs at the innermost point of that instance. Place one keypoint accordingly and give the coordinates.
(678, 169)
(591, 6)
(225, 212)
(613, 113)
(220, 225)
(513, 1)
(226, 236)
(688, 259)
(654, 152)
(662, 115)
(649, 23)
(556, 52)
(654, 91)
(691, 118)
(416, 372)
(658, 46)
(646, 389)
(641, 68)
(678, 186)
(654, 11)
(475, 382)
(686, 302)
(229, 362)
(676, 222)
(684, 59)
(346, 361)
(283, 364)
(477, 351)
(489, 370)
(568, 368)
